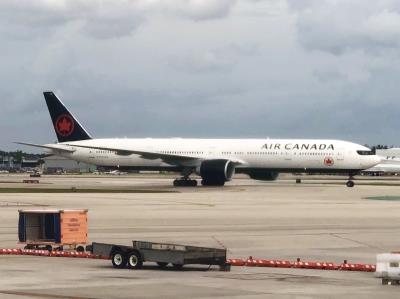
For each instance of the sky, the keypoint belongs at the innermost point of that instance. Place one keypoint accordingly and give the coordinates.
(202, 68)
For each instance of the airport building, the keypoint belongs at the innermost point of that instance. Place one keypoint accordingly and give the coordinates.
(6, 162)
(55, 164)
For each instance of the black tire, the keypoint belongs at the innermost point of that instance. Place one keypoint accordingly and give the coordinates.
(119, 259)
(176, 183)
(134, 260)
(385, 281)
(350, 184)
(193, 183)
(177, 266)
(49, 248)
(162, 264)
(205, 182)
(80, 249)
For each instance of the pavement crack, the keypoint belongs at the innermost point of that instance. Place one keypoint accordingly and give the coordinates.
(355, 241)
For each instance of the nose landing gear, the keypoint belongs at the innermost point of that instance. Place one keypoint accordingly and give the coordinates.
(350, 182)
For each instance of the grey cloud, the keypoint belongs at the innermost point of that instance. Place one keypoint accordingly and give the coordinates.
(97, 18)
(180, 73)
(340, 26)
(198, 9)
(203, 61)
(221, 59)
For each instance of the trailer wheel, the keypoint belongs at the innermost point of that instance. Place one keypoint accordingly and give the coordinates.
(80, 249)
(385, 281)
(177, 266)
(162, 264)
(134, 260)
(118, 259)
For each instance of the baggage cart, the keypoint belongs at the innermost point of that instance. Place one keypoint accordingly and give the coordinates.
(53, 229)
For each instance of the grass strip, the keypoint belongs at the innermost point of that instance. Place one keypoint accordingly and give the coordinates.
(386, 197)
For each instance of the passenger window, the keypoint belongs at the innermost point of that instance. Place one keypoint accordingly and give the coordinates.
(394, 265)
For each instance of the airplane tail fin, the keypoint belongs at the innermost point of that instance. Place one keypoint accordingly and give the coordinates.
(66, 126)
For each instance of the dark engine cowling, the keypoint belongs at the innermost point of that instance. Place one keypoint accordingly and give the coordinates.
(263, 175)
(216, 172)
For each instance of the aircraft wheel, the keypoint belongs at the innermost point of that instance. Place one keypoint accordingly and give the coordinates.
(350, 184)
(177, 266)
(212, 182)
(185, 183)
(176, 183)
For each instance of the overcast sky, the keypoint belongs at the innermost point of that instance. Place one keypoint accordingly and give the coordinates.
(202, 68)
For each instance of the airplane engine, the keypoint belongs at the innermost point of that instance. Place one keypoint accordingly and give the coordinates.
(262, 175)
(216, 172)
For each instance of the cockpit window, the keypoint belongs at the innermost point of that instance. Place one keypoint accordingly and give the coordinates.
(365, 153)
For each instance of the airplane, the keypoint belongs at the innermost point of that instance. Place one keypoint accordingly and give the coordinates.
(215, 160)
(388, 165)
(115, 172)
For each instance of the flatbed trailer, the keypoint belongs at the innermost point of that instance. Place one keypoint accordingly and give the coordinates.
(163, 254)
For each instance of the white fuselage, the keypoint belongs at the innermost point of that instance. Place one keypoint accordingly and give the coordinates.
(387, 165)
(274, 154)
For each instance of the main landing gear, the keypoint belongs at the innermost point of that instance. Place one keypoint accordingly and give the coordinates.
(185, 182)
(350, 182)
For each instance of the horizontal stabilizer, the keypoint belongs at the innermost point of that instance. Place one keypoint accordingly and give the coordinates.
(57, 147)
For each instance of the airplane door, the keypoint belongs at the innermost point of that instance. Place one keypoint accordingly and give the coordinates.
(211, 151)
(340, 157)
(340, 154)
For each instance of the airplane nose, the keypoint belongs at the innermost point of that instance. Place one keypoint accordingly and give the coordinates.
(374, 161)
(377, 160)
(371, 161)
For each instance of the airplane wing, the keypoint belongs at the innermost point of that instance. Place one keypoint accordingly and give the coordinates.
(151, 155)
(57, 147)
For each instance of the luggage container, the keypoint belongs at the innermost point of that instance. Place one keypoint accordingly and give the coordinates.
(43, 228)
(163, 254)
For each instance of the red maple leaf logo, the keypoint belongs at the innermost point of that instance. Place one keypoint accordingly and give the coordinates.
(64, 125)
(328, 161)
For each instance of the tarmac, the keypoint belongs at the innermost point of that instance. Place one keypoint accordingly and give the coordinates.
(318, 220)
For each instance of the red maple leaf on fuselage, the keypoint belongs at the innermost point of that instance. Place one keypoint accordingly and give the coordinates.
(328, 161)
